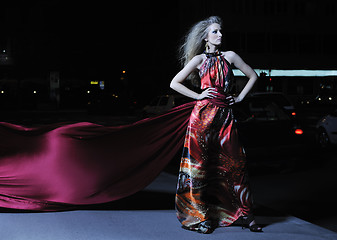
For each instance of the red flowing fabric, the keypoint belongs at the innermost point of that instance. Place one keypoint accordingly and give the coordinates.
(61, 166)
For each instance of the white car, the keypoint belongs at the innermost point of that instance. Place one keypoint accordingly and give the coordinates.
(327, 130)
(164, 103)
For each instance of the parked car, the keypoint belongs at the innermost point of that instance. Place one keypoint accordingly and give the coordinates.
(164, 103)
(326, 130)
(279, 99)
(265, 127)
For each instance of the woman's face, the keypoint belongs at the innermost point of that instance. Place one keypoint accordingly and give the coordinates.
(214, 35)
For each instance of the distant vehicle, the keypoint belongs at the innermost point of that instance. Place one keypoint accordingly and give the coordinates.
(326, 130)
(164, 103)
(279, 99)
(265, 126)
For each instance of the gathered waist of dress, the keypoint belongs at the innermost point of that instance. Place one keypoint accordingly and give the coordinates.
(221, 98)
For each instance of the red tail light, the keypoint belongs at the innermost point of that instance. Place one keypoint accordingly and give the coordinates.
(299, 131)
(293, 114)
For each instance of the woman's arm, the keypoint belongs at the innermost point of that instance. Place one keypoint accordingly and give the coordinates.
(177, 85)
(246, 69)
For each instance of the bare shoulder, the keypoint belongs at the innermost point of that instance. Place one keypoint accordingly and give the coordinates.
(198, 60)
(230, 56)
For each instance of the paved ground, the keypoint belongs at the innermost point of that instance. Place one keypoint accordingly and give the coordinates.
(132, 218)
(142, 224)
(304, 189)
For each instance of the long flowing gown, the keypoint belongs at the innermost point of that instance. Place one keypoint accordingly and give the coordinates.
(212, 183)
(65, 166)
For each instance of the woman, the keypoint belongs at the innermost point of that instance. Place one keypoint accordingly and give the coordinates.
(212, 187)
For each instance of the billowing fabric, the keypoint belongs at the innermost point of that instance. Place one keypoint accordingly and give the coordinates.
(64, 166)
(212, 183)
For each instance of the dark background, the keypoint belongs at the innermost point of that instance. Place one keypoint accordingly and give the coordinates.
(97, 40)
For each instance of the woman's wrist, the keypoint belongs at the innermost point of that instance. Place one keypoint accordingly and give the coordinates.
(238, 98)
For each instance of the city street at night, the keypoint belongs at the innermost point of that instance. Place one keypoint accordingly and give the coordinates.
(159, 119)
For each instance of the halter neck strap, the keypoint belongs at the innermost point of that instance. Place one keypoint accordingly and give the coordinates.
(213, 54)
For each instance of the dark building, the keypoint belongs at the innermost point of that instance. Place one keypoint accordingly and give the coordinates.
(80, 42)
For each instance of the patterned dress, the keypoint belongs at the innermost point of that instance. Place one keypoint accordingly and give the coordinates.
(212, 183)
